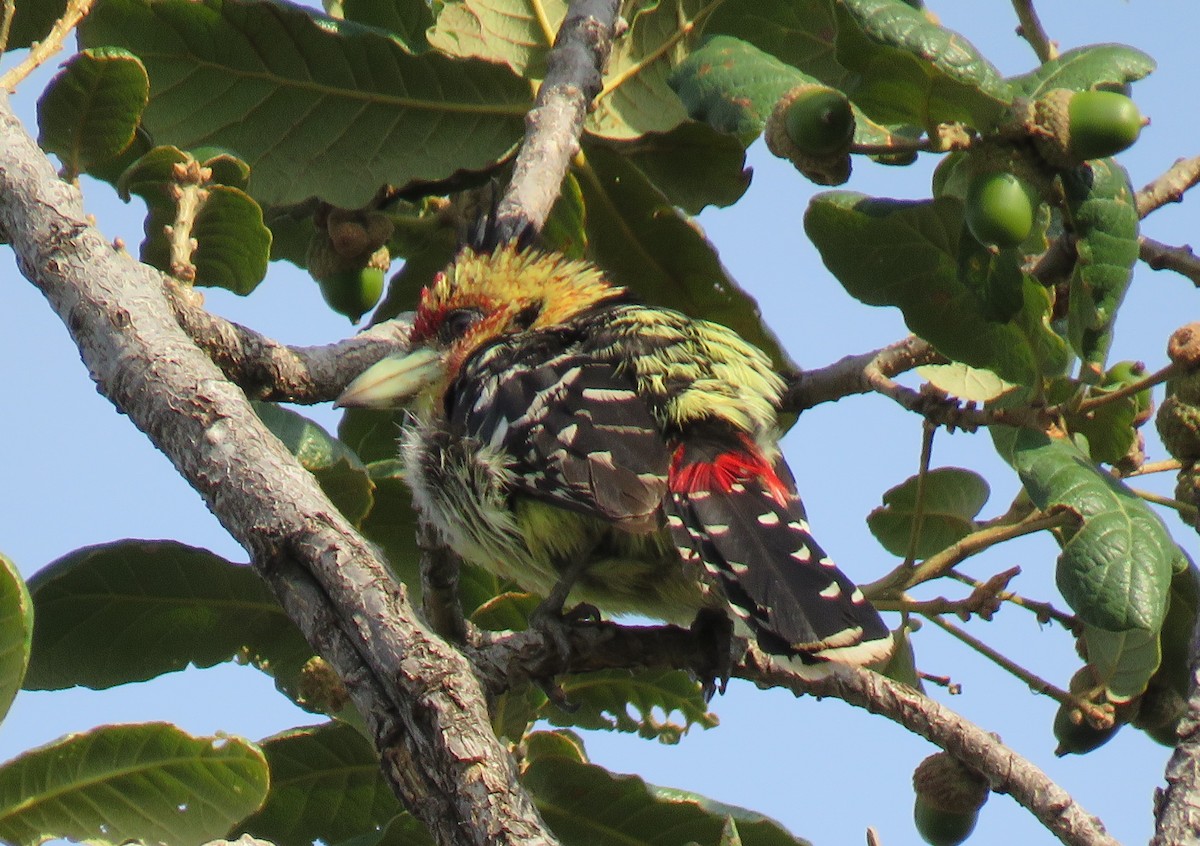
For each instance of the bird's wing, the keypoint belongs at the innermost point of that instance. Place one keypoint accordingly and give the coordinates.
(581, 435)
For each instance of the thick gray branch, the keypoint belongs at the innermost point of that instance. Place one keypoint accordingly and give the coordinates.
(553, 126)
(423, 701)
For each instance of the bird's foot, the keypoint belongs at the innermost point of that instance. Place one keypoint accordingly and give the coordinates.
(714, 630)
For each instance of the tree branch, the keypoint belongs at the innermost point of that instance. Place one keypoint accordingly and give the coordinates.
(553, 126)
(1169, 187)
(433, 733)
(1032, 31)
(1177, 806)
(1160, 256)
(268, 370)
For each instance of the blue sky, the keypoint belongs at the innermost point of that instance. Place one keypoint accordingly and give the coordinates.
(78, 474)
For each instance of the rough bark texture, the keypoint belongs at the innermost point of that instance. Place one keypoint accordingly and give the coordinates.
(425, 705)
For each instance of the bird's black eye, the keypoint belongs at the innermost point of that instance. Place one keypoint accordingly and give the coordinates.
(456, 323)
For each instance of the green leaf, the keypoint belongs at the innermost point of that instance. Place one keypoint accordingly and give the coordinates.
(1108, 429)
(800, 33)
(643, 242)
(1178, 630)
(16, 632)
(1102, 212)
(338, 109)
(132, 610)
(565, 230)
(913, 71)
(337, 468)
(112, 784)
(906, 254)
(584, 803)
(693, 165)
(733, 86)
(516, 33)
(326, 785)
(233, 245)
(90, 110)
(625, 701)
(1084, 68)
(407, 21)
(965, 382)
(952, 499)
(637, 98)
(1115, 570)
(32, 21)
(1123, 661)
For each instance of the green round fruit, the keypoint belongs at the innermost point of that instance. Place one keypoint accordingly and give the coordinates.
(999, 212)
(1103, 123)
(353, 292)
(942, 828)
(1078, 738)
(820, 122)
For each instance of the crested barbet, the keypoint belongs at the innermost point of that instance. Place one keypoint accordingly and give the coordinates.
(560, 426)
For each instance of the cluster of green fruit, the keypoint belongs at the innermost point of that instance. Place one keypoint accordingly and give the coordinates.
(349, 257)
(813, 127)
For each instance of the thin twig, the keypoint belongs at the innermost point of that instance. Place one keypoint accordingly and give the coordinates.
(1132, 389)
(1169, 465)
(1032, 31)
(1169, 187)
(1160, 256)
(7, 11)
(1185, 509)
(1044, 611)
(1036, 683)
(41, 51)
(903, 578)
(928, 432)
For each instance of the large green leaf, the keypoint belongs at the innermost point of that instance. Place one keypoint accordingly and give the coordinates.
(132, 610)
(337, 468)
(517, 33)
(911, 70)
(316, 106)
(584, 803)
(693, 165)
(952, 499)
(636, 98)
(906, 254)
(1178, 631)
(405, 20)
(33, 20)
(801, 33)
(90, 110)
(16, 632)
(325, 786)
(733, 86)
(643, 242)
(151, 783)
(1115, 569)
(1084, 68)
(1123, 661)
(1103, 214)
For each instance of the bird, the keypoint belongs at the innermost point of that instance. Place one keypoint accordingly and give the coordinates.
(568, 437)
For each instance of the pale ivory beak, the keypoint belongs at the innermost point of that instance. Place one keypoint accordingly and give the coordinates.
(393, 381)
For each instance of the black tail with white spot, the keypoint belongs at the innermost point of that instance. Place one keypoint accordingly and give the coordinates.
(740, 518)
